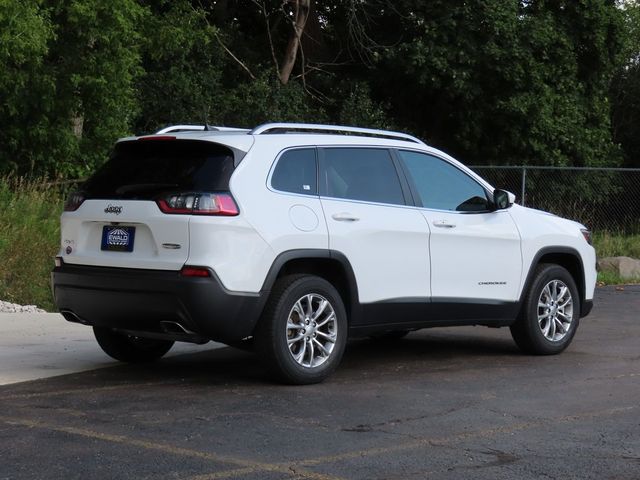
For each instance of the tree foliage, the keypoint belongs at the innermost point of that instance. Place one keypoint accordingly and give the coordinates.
(491, 81)
(70, 90)
(505, 82)
(625, 90)
(94, 62)
(181, 65)
(25, 34)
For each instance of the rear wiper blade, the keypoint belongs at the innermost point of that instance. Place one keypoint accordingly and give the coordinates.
(142, 187)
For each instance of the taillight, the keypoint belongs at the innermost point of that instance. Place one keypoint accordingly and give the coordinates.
(73, 202)
(587, 235)
(199, 204)
(194, 272)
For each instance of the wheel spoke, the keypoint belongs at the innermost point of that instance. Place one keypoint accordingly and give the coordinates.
(295, 339)
(546, 292)
(568, 302)
(328, 319)
(298, 308)
(325, 352)
(300, 356)
(309, 309)
(545, 329)
(294, 326)
(321, 308)
(560, 325)
(330, 338)
(311, 353)
(563, 292)
(552, 328)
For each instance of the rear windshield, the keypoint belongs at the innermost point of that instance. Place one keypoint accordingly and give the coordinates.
(144, 169)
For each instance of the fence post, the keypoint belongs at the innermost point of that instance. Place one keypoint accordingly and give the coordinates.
(524, 182)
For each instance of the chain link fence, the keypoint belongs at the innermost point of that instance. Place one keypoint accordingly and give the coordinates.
(601, 198)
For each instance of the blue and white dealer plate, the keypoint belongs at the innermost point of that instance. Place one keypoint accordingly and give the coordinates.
(118, 238)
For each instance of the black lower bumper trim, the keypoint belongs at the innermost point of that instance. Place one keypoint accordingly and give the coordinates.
(587, 306)
(148, 300)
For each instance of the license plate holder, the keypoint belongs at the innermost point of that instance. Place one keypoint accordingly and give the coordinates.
(116, 238)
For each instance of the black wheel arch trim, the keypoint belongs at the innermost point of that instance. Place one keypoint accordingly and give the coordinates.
(314, 254)
(580, 282)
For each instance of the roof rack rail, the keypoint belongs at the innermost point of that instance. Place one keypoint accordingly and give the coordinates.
(309, 127)
(196, 128)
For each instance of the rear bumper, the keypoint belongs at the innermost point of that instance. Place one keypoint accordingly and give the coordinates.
(150, 300)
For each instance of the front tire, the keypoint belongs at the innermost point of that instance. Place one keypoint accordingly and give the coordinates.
(550, 313)
(303, 331)
(128, 348)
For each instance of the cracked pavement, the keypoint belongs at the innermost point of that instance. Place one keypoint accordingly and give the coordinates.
(441, 404)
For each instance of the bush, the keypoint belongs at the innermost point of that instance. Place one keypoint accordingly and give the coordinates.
(608, 244)
(29, 240)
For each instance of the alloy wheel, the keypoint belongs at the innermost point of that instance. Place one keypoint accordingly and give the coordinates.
(312, 330)
(555, 310)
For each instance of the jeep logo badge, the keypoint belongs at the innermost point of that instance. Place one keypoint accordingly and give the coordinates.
(113, 209)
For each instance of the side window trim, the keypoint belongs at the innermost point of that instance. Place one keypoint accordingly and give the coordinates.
(406, 182)
(323, 187)
(277, 160)
(414, 188)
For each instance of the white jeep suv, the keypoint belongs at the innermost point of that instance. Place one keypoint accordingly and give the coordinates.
(297, 236)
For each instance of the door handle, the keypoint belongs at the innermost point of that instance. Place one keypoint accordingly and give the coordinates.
(344, 217)
(443, 224)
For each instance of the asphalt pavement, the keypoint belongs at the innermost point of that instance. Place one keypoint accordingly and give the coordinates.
(450, 403)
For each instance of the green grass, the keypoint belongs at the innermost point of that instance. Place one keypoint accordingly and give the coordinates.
(30, 232)
(609, 244)
(29, 239)
(611, 278)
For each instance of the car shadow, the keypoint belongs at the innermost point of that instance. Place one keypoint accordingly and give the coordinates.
(419, 352)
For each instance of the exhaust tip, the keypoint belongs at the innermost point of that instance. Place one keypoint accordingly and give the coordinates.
(69, 316)
(175, 327)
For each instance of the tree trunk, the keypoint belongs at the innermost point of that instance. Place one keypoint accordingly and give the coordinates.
(300, 16)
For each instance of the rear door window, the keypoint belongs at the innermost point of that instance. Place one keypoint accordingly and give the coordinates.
(296, 172)
(366, 174)
(142, 169)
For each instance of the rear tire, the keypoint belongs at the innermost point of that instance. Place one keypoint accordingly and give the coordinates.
(303, 331)
(128, 348)
(550, 313)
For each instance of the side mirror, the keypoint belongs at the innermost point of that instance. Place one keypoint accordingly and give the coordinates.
(502, 199)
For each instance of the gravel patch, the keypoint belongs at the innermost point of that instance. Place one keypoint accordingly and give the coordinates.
(7, 307)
